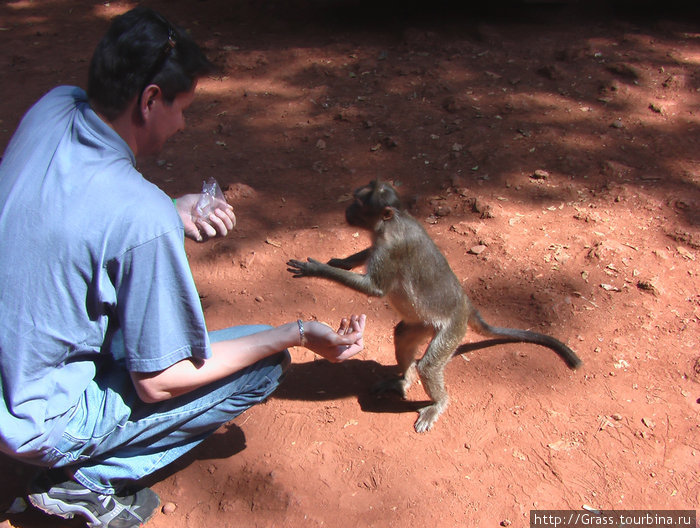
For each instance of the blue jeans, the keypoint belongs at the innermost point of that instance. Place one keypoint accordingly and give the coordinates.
(113, 437)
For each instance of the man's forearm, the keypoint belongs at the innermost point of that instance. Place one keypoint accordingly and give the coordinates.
(227, 358)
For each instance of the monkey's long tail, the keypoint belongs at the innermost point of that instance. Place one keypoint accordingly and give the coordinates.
(514, 335)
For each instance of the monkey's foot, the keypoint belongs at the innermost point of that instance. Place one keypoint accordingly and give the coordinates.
(427, 416)
(396, 385)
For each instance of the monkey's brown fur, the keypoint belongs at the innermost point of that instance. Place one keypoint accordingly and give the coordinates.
(405, 265)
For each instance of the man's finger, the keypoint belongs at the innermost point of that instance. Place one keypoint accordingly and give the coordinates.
(206, 228)
(227, 217)
(218, 225)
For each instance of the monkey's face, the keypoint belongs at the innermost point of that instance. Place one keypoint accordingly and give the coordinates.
(370, 205)
(354, 215)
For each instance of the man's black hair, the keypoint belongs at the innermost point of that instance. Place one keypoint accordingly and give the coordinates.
(140, 48)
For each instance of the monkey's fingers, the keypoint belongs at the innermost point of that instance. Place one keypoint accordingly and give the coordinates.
(300, 264)
(296, 268)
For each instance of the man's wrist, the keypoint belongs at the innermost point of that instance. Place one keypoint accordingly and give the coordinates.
(291, 335)
(302, 332)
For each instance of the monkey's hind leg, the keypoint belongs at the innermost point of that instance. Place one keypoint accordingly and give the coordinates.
(431, 369)
(407, 338)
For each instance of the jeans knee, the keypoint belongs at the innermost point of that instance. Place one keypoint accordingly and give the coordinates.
(285, 360)
(277, 367)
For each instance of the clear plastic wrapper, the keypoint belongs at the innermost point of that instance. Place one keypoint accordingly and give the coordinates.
(212, 197)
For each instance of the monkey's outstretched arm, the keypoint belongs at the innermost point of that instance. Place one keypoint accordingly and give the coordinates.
(353, 261)
(314, 268)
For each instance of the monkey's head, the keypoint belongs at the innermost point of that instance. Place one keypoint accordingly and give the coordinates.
(375, 202)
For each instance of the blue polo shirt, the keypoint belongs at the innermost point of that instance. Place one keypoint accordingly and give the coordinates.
(87, 247)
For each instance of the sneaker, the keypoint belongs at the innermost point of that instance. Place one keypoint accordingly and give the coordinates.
(68, 498)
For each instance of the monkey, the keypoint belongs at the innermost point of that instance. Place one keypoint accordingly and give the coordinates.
(404, 265)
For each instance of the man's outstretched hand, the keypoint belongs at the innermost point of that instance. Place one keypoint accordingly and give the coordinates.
(336, 346)
(218, 223)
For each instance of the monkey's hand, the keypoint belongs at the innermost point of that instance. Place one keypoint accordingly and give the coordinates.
(310, 268)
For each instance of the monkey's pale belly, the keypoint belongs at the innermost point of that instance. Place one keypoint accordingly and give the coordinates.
(410, 312)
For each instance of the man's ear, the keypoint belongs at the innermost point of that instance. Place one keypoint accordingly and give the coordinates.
(388, 213)
(150, 94)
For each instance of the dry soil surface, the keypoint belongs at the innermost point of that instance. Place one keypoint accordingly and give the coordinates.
(552, 153)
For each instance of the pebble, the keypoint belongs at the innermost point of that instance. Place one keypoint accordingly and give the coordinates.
(443, 210)
(617, 124)
(648, 286)
(169, 508)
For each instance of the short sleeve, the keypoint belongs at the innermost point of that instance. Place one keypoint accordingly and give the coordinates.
(158, 307)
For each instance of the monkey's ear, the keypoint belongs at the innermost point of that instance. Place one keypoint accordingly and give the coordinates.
(388, 213)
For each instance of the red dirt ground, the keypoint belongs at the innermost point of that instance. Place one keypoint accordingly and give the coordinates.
(459, 108)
